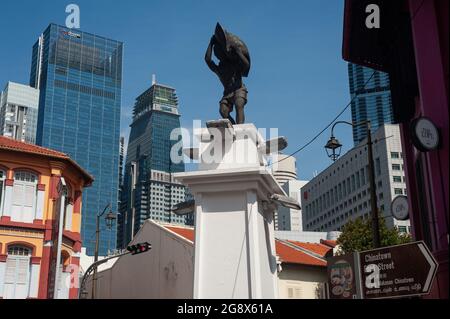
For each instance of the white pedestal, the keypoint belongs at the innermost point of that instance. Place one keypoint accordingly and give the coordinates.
(234, 234)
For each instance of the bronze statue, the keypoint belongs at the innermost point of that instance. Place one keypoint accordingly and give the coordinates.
(234, 63)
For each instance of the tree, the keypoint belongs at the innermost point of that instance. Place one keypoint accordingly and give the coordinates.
(357, 236)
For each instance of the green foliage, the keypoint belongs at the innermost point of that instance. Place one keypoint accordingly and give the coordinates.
(357, 236)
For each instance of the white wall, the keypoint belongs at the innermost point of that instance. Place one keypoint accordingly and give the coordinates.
(165, 272)
(305, 281)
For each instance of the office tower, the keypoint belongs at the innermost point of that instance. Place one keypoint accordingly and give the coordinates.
(373, 102)
(149, 188)
(19, 112)
(80, 77)
(285, 172)
(120, 220)
(341, 192)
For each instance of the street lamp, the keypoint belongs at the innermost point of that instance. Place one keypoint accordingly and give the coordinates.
(110, 217)
(333, 149)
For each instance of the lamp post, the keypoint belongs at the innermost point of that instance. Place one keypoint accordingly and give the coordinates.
(110, 217)
(333, 148)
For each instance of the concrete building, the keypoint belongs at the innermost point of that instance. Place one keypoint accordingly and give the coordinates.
(285, 172)
(341, 192)
(32, 212)
(167, 270)
(19, 112)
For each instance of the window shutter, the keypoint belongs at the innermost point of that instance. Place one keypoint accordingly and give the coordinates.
(23, 267)
(18, 194)
(30, 195)
(10, 273)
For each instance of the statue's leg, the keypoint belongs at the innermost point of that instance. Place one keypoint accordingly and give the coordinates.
(225, 111)
(240, 116)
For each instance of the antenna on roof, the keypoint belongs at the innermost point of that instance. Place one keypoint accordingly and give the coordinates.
(153, 79)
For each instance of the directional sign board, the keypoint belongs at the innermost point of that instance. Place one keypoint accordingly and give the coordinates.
(397, 271)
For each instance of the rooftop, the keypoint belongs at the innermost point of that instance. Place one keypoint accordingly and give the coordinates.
(290, 252)
(10, 144)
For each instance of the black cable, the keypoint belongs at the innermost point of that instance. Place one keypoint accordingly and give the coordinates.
(328, 126)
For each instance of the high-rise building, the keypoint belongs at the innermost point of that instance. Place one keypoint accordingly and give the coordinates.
(285, 172)
(149, 187)
(373, 102)
(19, 112)
(80, 78)
(342, 192)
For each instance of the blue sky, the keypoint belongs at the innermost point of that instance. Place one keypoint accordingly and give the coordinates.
(298, 81)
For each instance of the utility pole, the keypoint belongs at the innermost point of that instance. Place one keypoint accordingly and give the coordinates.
(334, 146)
(373, 190)
(97, 240)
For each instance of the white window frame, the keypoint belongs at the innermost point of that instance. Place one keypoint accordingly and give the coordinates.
(25, 179)
(21, 254)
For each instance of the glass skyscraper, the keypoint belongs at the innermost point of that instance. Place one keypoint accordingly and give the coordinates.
(80, 78)
(373, 102)
(149, 190)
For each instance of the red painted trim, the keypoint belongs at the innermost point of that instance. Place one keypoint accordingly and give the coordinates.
(72, 236)
(43, 278)
(54, 186)
(41, 187)
(48, 230)
(38, 222)
(3, 258)
(9, 182)
(23, 243)
(1, 247)
(6, 221)
(36, 260)
(77, 247)
(77, 203)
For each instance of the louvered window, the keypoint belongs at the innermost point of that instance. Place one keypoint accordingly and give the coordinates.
(17, 272)
(24, 197)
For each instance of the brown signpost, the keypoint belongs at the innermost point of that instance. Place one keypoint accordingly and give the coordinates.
(397, 271)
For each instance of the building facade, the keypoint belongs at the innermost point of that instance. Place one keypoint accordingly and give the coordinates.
(373, 101)
(19, 112)
(341, 192)
(32, 208)
(285, 172)
(80, 77)
(413, 48)
(150, 190)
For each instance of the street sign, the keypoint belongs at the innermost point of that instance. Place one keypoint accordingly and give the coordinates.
(397, 271)
(400, 208)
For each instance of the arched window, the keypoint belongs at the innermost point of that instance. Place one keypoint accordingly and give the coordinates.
(19, 251)
(2, 190)
(17, 272)
(24, 196)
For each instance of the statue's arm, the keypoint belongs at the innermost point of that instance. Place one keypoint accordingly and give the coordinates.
(245, 62)
(208, 57)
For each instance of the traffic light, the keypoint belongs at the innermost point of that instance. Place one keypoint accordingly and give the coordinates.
(139, 248)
